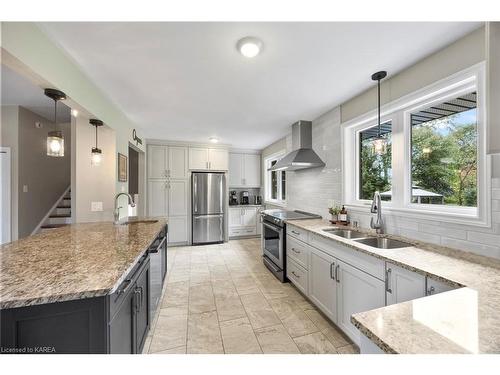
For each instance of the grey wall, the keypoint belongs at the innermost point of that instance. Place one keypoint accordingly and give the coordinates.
(46, 177)
(9, 137)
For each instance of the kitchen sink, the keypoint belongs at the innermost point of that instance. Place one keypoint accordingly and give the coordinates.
(345, 233)
(383, 243)
(139, 222)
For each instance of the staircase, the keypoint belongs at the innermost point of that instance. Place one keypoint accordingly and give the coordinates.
(60, 214)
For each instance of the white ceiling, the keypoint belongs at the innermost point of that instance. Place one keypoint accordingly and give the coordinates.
(186, 81)
(17, 90)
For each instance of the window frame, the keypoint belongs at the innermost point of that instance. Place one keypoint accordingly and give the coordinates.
(399, 112)
(267, 180)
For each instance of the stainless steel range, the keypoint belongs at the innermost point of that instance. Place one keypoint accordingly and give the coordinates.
(274, 238)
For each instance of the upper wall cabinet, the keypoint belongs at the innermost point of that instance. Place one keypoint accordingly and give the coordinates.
(167, 162)
(205, 159)
(244, 170)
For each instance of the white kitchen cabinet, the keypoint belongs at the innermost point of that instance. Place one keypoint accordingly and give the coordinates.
(218, 159)
(297, 275)
(244, 170)
(177, 229)
(177, 162)
(436, 287)
(235, 170)
(403, 285)
(357, 291)
(259, 220)
(322, 285)
(242, 221)
(213, 159)
(157, 161)
(177, 197)
(198, 158)
(157, 198)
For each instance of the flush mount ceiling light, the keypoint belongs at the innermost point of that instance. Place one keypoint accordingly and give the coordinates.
(213, 139)
(74, 113)
(55, 139)
(249, 46)
(379, 144)
(96, 152)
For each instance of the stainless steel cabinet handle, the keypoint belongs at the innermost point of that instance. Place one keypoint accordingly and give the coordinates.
(295, 232)
(387, 280)
(294, 274)
(295, 251)
(337, 277)
(431, 290)
(331, 271)
(166, 172)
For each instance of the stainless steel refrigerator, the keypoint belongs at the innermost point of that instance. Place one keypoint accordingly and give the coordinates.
(208, 199)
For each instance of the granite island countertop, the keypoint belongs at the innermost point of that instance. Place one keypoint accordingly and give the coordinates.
(464, 320)
(73, 262)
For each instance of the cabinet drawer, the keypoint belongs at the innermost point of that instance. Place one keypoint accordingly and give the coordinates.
(364, 262)
(297, 275)
(233, 232)
(299, 233)
(298, 251)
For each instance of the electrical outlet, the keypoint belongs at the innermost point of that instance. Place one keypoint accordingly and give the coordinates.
(25, 188)
(96, 206)
(123, 189)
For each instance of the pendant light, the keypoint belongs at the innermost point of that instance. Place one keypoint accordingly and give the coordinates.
(379, 144)
(55, 139)
(96, 152)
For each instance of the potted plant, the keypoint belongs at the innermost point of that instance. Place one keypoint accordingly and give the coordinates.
(334, 211)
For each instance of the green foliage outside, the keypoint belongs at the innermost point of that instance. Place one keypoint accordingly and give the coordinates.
(444, 161)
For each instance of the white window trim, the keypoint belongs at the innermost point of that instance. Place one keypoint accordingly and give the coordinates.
(267, 180)
(398, 112)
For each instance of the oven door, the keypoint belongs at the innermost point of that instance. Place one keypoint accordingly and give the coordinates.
(272, 243)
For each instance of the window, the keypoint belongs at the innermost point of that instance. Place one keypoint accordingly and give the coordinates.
(275, 180)
(435, 163)
(444, 152)
(375, 170)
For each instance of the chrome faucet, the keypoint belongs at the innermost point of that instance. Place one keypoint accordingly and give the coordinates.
(116, 213)
(376, 208)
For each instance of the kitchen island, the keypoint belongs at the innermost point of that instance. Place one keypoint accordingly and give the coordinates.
(82, 288)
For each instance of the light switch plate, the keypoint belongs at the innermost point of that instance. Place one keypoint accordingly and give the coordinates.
(96, 206)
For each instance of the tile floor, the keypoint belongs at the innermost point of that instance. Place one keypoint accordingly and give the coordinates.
(221, 299)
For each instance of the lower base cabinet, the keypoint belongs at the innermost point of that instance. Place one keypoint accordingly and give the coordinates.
(322, 285)
(403, 285)
(357, 291)
(177, 229)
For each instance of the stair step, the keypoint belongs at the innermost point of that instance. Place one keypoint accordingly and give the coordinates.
(52, 226)
(64, 206)
(60, 215)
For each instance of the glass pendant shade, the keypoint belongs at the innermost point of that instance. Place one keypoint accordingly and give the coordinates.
(96, 158)
(55, 144)
(379, 146)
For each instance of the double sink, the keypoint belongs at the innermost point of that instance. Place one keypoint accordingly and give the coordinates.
(376, 242)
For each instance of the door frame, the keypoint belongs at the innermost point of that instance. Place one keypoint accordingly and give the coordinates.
(6, 184)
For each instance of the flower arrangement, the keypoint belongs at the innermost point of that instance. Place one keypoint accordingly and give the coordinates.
(334, 211)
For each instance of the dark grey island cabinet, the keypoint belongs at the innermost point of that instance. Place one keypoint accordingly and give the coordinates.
(116, 323)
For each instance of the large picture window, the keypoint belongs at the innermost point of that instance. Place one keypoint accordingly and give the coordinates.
(444, 152)
(435, 161)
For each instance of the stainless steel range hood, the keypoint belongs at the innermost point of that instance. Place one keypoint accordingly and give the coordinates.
(302, 156)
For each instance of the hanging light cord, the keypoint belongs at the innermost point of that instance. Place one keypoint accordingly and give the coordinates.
(379, 129)
(55, 114)
(96, 136)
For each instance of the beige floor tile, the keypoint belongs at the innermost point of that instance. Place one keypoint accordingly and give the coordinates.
(314, 343)
(275, 340)
(178, 350)
(238, 337)
(259, 311)
(337, 338)
(204, 334)
(201, 298)
(348, 349)
(176, 294)
(170, 332)
(174, 310)
(245, 285)
(293, 317)
(318, 319)
(229, 308)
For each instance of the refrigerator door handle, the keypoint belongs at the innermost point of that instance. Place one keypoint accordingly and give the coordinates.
(195, 193)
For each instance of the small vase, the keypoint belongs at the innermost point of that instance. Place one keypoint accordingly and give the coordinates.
(334, 219)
